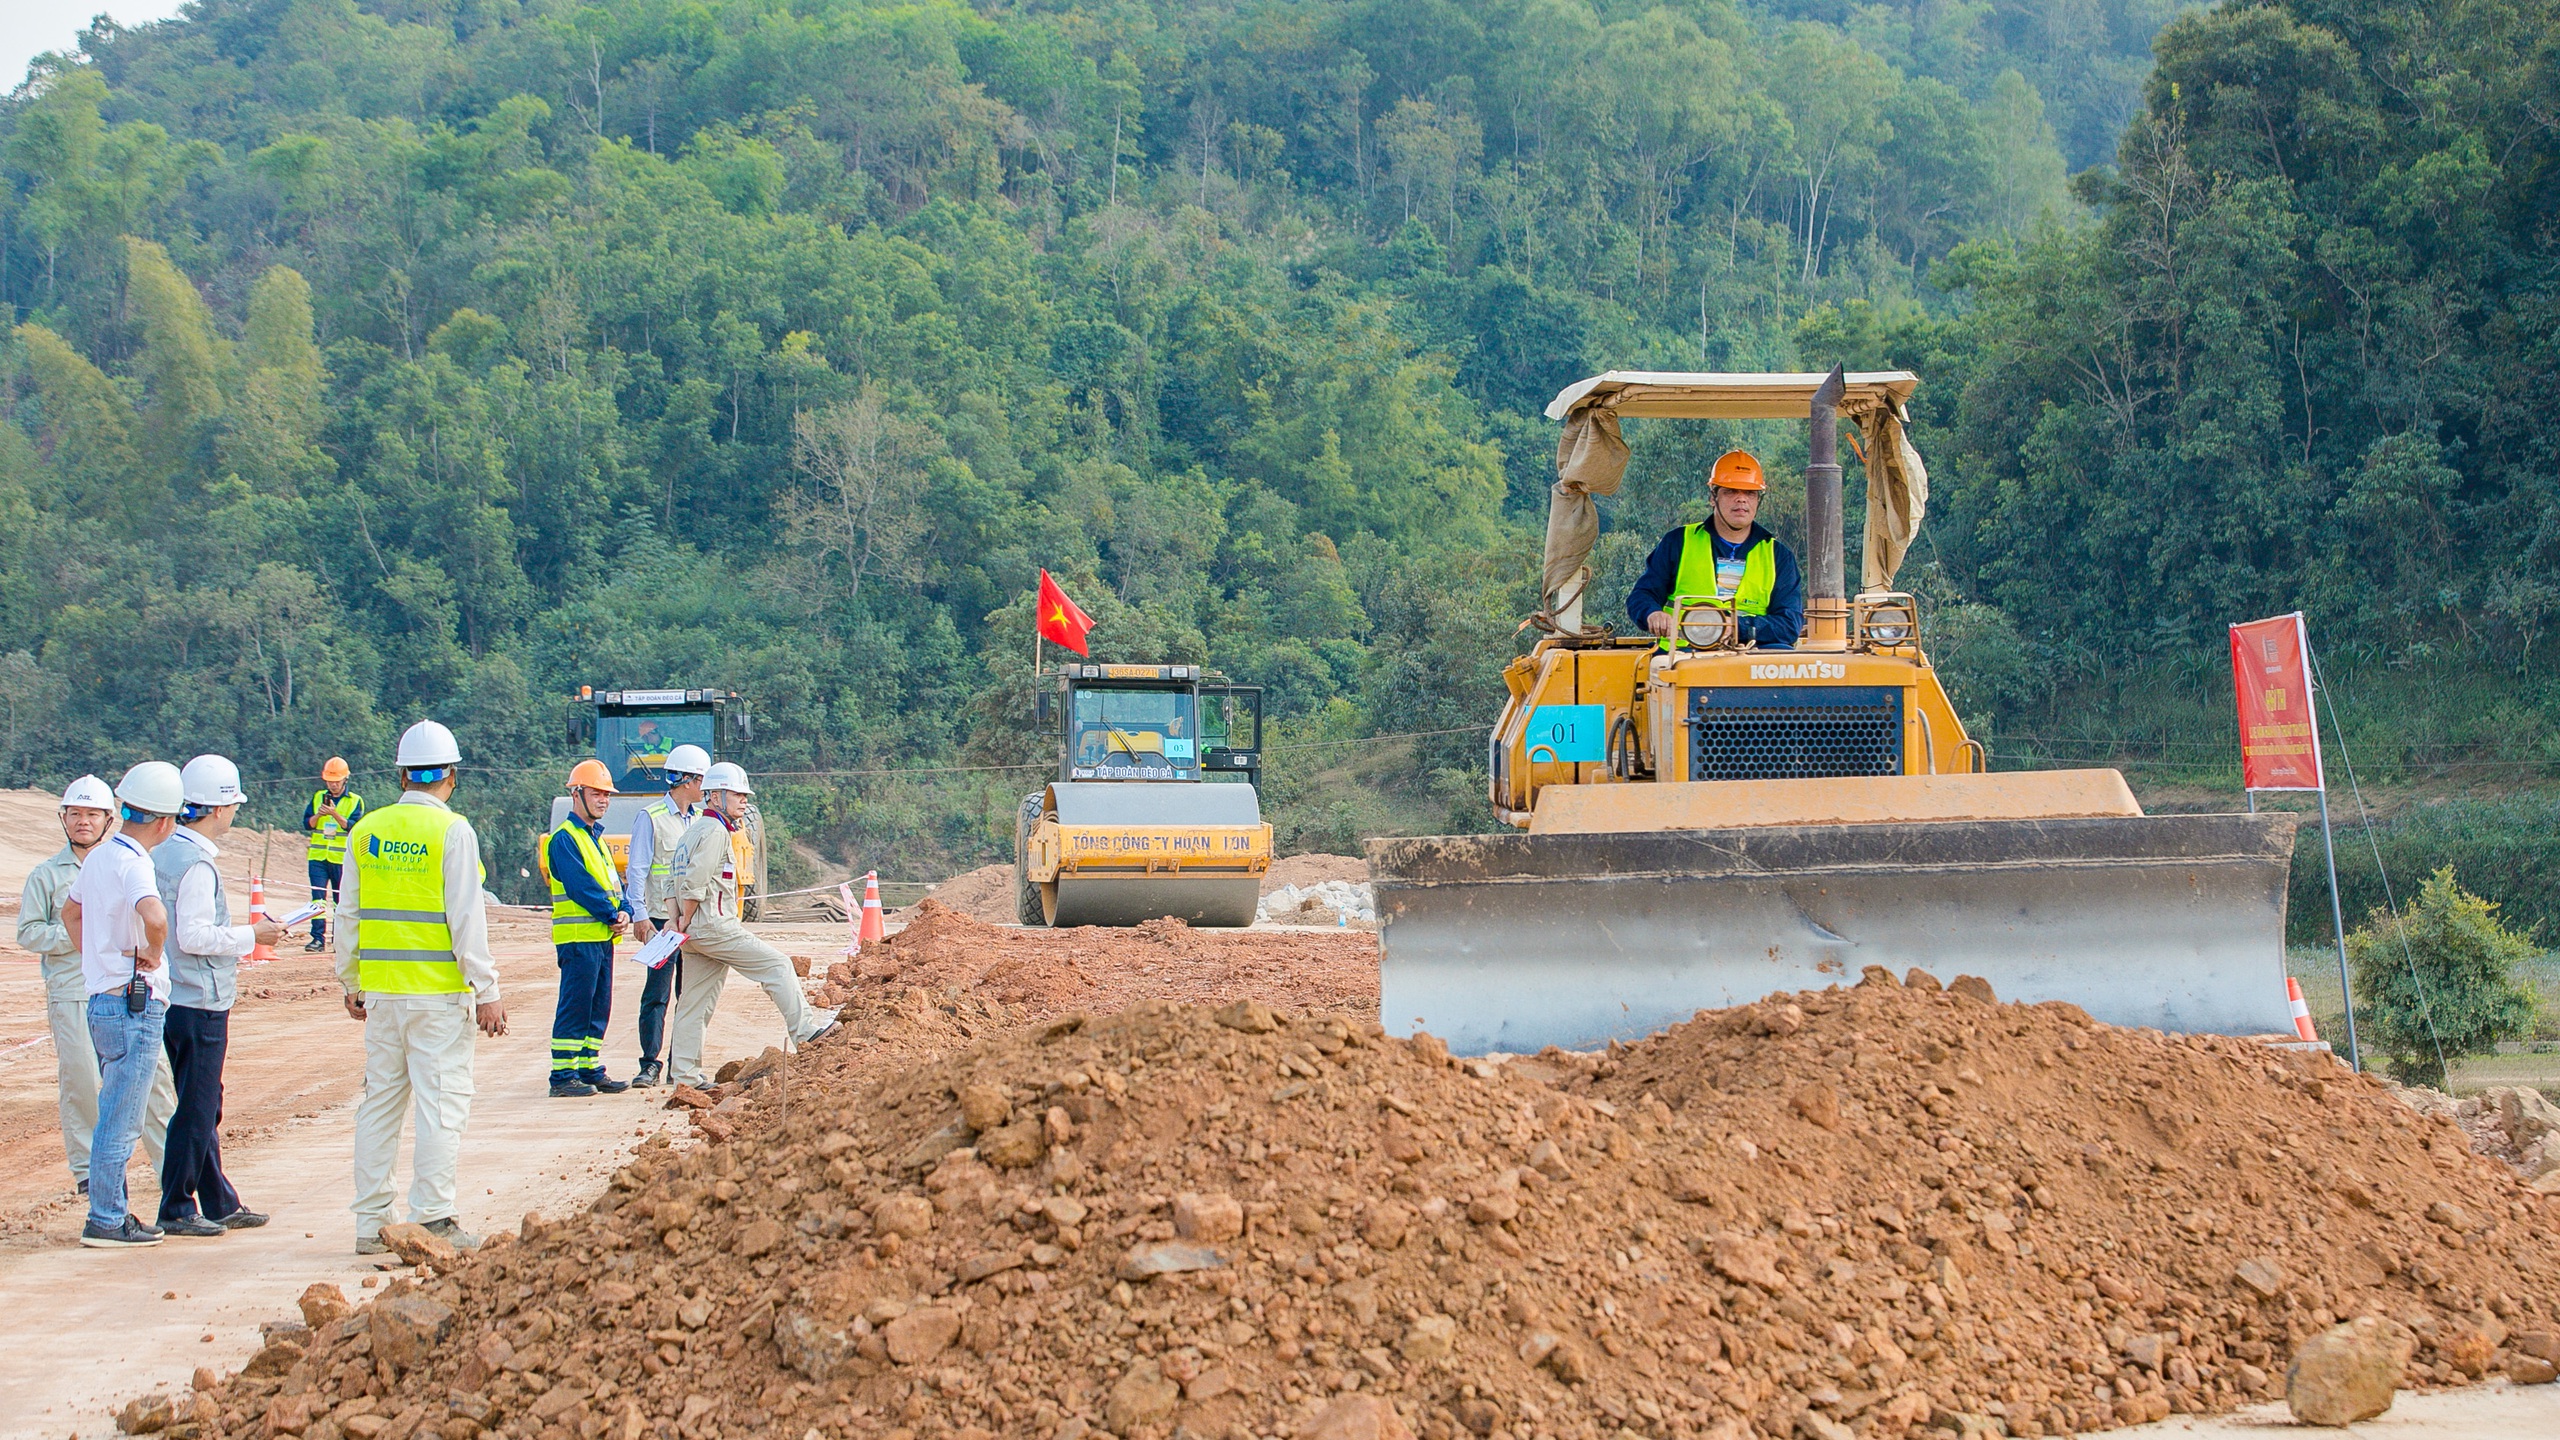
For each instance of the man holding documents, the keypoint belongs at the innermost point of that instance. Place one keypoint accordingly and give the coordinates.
(716, 940)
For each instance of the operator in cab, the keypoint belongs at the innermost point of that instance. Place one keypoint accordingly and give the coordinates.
(1730, 558)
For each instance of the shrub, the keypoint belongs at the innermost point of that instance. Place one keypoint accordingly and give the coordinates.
(2444, 981)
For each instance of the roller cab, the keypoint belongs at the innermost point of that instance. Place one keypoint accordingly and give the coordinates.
(1155, 812)
(1700, 823)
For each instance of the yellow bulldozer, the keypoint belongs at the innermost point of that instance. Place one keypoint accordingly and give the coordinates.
(631, 731)
(1706, 823)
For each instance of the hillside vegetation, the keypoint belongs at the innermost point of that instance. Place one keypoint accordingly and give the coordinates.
(405, 357)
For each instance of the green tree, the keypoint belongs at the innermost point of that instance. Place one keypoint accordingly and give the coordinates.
(2441, 982)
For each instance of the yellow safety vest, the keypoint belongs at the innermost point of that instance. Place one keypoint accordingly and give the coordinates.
(1696, 578)
(329, 839)
(570, 921)
(404, 941)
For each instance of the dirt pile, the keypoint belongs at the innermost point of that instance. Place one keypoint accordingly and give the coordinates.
(1306, 870)
(2515, 1124)
(1847, 1213)
(1095, 968)
(985, 893)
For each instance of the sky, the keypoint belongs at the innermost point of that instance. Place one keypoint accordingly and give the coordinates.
(28, 28)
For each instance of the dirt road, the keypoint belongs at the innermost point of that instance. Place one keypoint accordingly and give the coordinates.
(85, 1329)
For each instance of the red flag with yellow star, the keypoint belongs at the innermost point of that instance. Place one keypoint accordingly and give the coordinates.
(1060, 620)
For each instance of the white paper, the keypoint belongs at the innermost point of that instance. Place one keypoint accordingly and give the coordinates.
(655, 952)
(305, 913)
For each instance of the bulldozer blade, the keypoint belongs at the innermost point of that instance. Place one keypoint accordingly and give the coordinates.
(1511, 943)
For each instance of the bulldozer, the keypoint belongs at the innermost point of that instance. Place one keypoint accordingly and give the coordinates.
(631, 731)
(1156, 810)
(1699, 823)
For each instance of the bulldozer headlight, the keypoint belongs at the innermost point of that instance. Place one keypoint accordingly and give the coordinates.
(1889, 620)
(1706, 627)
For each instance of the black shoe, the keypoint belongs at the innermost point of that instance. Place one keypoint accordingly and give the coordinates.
(130, 1234)
(606, 1084)
(450, 1231)
(318, 942)
(84, 1189)
(567, 1089)
(651, 1076)
(193, 1227)
(242, 1220)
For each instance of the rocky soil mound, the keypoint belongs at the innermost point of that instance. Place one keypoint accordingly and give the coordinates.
(2512, 1123)
(1858, 1212)
(1096, 968)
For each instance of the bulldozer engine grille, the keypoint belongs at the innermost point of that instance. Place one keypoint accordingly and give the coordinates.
(1795, 733)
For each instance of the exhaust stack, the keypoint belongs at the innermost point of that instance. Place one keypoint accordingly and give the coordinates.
(1826, 592)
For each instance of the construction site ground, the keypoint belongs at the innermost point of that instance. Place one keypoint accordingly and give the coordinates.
(955, 997)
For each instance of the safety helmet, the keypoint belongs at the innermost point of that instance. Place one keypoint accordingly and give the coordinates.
(687, 760)
(593, 775)
(1736, 470)
(728, 776)
(335, 770)
(211, 780)
(88, 793)
(428, 746)
(152, 788)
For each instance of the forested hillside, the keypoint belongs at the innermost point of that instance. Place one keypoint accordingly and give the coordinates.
(375, 360)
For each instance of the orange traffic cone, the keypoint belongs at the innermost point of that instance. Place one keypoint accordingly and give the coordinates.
(875, 926)
(2301, 1011)
(852, 919)
(258, 911)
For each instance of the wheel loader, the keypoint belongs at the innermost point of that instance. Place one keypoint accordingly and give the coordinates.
(631, 731)
(1155, 811)
(1702, 823)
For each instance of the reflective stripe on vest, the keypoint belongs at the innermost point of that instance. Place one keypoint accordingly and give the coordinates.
(571, 923)
(404, 944)
(329, 838)
(666, 831)
(1696, 578)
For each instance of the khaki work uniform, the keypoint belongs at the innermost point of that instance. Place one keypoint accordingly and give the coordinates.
(418, 1048)
(706, 871)
(66, 1013)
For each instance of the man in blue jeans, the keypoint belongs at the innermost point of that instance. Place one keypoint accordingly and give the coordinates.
(115, 916)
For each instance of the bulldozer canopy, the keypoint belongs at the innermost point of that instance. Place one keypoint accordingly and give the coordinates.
(1591, 456)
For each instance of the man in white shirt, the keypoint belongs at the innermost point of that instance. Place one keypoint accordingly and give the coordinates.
(88, 813)
(413, 958)
(204, 951)
(116, 916)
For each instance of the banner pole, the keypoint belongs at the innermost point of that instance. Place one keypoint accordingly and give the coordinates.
(2328, 845)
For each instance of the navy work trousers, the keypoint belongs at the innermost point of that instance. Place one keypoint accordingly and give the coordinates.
(586, 1004)
(192, 1182)
(324, 887)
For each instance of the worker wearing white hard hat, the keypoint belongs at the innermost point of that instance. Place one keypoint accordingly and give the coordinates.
(88, 815)
(649, 887)
(116, 916)
(717, 940)
(196, 1198)
(413, 958)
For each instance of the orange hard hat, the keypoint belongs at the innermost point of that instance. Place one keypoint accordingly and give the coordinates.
(1737, 470)
(335, 770)
(592, 775)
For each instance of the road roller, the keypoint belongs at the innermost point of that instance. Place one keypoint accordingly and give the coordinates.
(1156, 811)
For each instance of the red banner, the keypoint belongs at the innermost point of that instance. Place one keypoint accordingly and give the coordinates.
(1061, 621)
(2271, 671)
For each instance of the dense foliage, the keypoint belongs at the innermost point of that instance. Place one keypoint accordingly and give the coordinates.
(377, 359)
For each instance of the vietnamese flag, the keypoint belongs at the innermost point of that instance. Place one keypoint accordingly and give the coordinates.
(1060, 620)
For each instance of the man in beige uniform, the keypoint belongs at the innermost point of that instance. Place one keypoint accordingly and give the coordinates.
(413, 958)
(716, 940)
(88, 813)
